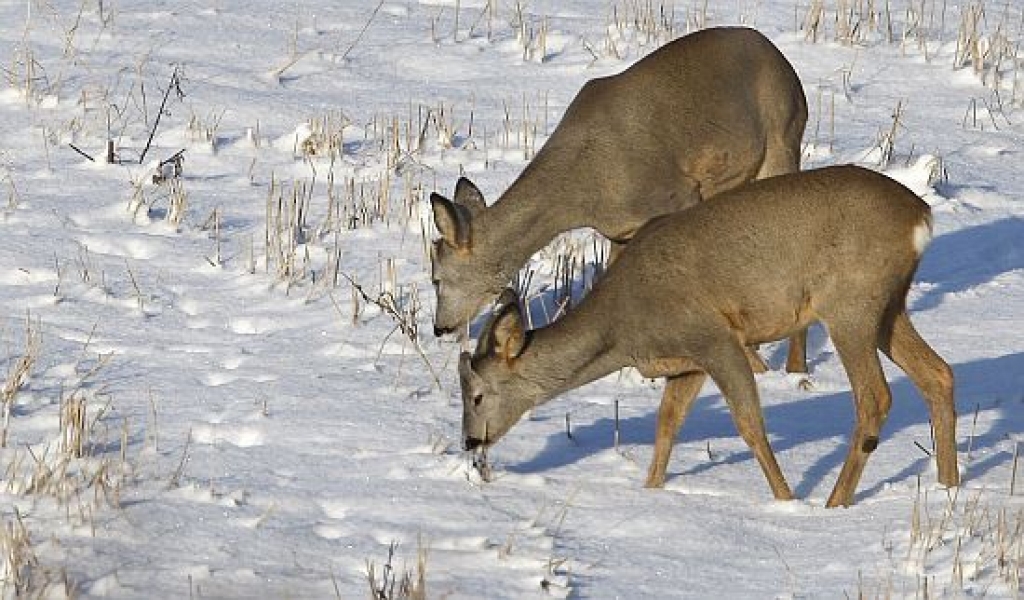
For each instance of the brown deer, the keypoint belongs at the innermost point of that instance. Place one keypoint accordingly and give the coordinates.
(838, 245)
(701, 115)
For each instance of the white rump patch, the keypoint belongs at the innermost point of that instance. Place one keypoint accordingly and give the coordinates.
(922, 235)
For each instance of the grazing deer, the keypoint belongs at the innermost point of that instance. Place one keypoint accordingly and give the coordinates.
(701, 115)
(839, 245)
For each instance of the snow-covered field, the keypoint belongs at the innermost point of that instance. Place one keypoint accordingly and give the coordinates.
(198, 402)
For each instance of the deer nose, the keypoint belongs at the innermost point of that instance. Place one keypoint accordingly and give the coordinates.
(440, 331)
(472, 443)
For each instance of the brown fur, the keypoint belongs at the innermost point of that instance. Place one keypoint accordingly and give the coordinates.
(701, 115)
(835, 245)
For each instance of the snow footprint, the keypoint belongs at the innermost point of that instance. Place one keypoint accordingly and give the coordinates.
(242, 436)
(133, 248)
(335, 528)
(228, 374)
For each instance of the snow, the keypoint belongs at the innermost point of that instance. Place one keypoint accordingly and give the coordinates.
(256, 429)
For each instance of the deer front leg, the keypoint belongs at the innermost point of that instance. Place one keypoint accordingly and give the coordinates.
(858, 352)
(729, 368)
(680, 392)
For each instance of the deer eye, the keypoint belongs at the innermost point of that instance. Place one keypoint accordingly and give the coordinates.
(478, 399)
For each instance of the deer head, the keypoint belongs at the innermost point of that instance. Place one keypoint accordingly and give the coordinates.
(463, 279)
(493, 398)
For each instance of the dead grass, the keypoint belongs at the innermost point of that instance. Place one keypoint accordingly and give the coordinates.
(961, 543)
(986, 34)
(74, 470)
(388, 582)
(18, 373)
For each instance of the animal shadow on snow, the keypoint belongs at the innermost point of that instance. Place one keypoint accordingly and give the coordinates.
(958, 261)
(994, 389)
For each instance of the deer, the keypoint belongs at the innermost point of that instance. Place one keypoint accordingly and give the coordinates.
(702, 114)
(838, 245)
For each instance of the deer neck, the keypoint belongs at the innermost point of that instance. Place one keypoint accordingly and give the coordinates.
(536, 208)
(567, 354)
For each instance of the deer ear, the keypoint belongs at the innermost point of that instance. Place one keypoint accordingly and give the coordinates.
(468, 195)
(487, 343)
(465, 363)
(466, 373)
(508, 334)
(452, 221)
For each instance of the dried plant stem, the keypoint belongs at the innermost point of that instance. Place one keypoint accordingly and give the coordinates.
(1013, 473)
(362, 32)
(405, 321)
(173, 85)
(19, 373)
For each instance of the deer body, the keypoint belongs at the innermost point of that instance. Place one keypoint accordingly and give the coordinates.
(703, 114)
(838, 245)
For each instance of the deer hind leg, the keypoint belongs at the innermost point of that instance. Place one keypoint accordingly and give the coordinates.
(780, 157)
(934, 379)
(857, 348)
(680, 392)
(728, 367)
(796, 359)
(754, 359)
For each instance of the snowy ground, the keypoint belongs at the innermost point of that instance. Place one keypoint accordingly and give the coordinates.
(253, 429)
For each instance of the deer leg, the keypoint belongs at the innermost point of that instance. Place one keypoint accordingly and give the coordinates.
(796, 359)
(754, 359)
(934, 378)
(857, 348)
(728, 367)
(680, 392)
(780, 158)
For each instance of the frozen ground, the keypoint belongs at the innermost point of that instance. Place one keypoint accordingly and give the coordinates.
(253, 429)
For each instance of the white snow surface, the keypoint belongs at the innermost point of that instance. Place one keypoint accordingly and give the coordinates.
(274, 445)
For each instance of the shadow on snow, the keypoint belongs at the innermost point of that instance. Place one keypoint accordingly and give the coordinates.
(990, 385)
(954, 262)
(958, 261)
